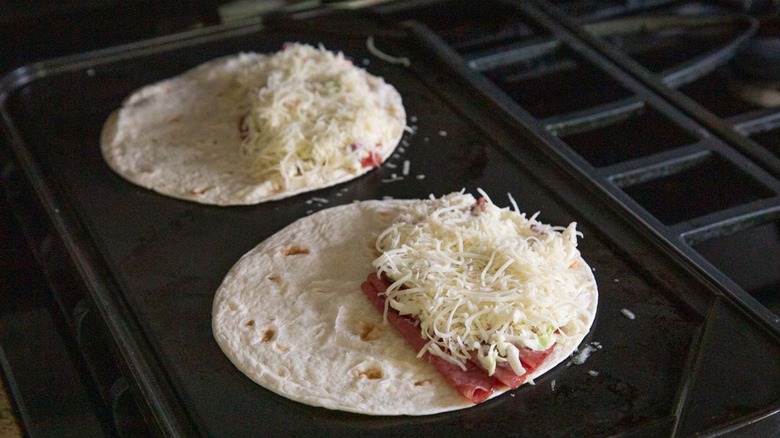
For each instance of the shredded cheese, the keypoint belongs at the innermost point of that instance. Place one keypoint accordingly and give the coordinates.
(483, 281)
(384, 56)
(313, 113)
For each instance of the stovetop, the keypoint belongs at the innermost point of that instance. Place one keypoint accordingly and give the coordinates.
(654, 111)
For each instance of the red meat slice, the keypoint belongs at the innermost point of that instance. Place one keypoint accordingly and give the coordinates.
(473, 383)
(530, 359)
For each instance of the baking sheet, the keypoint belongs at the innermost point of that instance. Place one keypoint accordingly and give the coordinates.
(162, 259)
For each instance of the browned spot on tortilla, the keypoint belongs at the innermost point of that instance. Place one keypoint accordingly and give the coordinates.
(294, 250)
(368, 331)
(371, 374)
(372, 244)
(176, 119)
(281, 347)
(574, 264)
(422, 382)
(250, 323)
(273, 277)
(200, 190)
(268, 334)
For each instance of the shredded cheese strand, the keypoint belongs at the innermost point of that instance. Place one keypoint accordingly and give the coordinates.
(384, 56)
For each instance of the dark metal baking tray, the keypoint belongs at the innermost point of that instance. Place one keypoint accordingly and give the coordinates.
(150, 264)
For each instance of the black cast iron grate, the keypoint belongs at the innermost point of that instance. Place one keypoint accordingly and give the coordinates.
(673, 172)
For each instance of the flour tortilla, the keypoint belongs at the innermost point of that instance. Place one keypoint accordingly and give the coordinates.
(290, 315)
(180, 137)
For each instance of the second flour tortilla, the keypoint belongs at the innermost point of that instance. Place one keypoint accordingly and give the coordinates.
(291, 316)
(181, 136)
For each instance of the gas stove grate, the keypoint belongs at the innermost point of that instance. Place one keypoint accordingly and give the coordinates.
(662, 163)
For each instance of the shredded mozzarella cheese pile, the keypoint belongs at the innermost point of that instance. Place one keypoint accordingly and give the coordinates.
(312, 114)
(483, 280)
